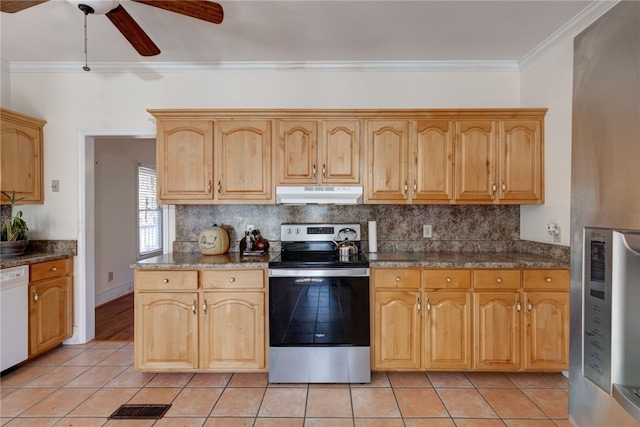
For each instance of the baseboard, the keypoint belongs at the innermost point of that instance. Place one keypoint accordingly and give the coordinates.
(113, 294)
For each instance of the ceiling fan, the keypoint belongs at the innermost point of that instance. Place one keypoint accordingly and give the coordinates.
(199, 9)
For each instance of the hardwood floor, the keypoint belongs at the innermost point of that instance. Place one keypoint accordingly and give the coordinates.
(114, 320)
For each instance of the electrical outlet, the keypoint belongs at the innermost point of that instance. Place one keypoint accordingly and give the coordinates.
(250, 228)
(426, 231)
(556, 236)
(55, 185)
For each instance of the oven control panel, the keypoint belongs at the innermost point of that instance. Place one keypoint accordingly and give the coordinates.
(319, 232)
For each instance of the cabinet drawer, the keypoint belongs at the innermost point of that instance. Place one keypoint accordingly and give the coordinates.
(233, 279)
(546, 279)
(396, 278)
(446, 279)
(165, 280)
(496, 279)
(49, 269)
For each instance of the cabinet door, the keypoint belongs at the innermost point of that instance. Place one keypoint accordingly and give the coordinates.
(386, 146)
(50, 313)
(447, 330)
(396, 330)
(546, 345)
(496, 330)
(475, 167)
(233, 330)
(166, 331)
(297, 152)
(185, 161)
(340, 152)
(432, 177)
(21, 160)
(521, 171)
(243, 155)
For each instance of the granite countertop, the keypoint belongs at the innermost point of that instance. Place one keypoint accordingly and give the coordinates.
(41, 251)
(31, 258)
(197, 261)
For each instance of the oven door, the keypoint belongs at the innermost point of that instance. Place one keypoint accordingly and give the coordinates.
(319, 325)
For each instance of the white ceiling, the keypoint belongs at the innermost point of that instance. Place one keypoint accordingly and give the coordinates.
(300, 31)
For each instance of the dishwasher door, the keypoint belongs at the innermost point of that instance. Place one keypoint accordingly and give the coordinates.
(14, 317)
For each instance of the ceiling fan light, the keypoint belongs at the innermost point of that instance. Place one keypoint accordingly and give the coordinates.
(100, 7)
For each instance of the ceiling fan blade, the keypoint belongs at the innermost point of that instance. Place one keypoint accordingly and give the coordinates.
(13, 6)
(199, 9)
(132, 32)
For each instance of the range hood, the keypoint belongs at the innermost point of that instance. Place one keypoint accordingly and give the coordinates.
(319, 195)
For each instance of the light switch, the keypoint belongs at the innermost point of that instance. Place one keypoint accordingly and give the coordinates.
(55, 185)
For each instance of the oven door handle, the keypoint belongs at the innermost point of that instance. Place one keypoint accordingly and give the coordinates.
(314, 272)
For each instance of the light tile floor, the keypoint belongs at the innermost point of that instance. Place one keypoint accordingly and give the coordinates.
(82, 385)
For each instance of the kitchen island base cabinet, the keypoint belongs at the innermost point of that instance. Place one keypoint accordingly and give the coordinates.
(50, 305)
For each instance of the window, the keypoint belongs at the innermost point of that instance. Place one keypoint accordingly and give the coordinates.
(149, 213)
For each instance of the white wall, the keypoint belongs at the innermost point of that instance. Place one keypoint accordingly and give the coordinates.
(90, 101)
(548, 82)
(116, 162)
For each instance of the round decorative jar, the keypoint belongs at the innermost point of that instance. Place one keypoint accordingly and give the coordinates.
(213, 241)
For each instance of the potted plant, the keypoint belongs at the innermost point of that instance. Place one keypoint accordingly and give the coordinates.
(14, 235)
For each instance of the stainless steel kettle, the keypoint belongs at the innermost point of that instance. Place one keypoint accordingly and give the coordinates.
(345, 247)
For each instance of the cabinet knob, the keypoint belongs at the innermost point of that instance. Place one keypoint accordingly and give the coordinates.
(165, 280)
(54, 268)
(448, 280)
(35, 297)
(314, 171)
(548, 279)
(499, 280)
(232, 279)
(324, 170)
(398, 279)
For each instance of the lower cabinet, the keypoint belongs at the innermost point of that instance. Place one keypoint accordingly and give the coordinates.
(192, 321)
(481, 320)
(50, 304)
(496, 330)
(447, 344)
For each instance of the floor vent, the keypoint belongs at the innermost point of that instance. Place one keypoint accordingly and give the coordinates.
(139, 412)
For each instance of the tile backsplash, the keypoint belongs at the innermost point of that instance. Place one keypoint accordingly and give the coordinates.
(469, 228)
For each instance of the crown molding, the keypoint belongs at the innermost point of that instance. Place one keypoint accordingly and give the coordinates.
(571, 29)
(208, 67)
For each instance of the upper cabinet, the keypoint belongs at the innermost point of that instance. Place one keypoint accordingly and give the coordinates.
(184, 151)
(386, 148)
(21, 157)
(473, 156)
(318, 152)
(243, 160)
(499, 161)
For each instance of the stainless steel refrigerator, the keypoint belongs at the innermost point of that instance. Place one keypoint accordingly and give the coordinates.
(605, 219)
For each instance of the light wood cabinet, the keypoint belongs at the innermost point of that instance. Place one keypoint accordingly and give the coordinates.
(476, 144)
(432, 162)
(243, 160)
(470, 319)
(318, 152)
(499, 161)
(166, 331)
(397, 330)
(447, 343)
(50, 304)
(185, 161)
(210, 320)
(386, 148)
(21, 162)
(496, 330)
(472, 156)
(546, 339)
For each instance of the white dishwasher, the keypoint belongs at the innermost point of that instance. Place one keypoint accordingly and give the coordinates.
(14, 316)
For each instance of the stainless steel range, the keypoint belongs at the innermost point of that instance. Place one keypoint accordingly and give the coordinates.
(319, 306)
